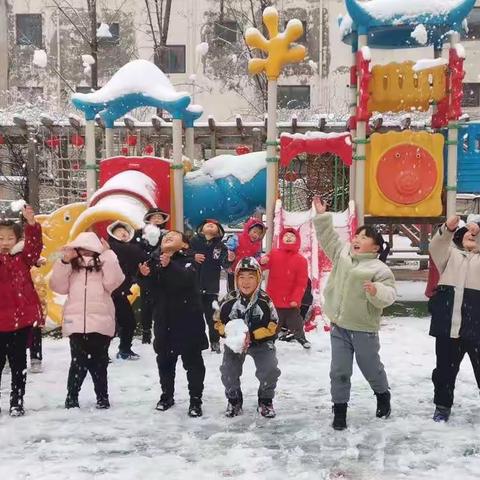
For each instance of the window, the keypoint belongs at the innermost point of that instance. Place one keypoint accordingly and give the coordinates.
(114, 29)
(227, 31)
(172, 59)
(29, 29)
(84, 89)
(473, 21)
(471, 95)
(30, 94)
(294, 96)
(303, 39)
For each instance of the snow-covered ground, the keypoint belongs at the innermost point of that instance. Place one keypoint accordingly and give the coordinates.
(132, 440)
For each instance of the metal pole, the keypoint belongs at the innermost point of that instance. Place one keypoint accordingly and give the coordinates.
(177, 168)
(33, 173)
(189, 143)
(272, 161)
(109, 142)
(90, 158)
(353, 132)
(452, 151)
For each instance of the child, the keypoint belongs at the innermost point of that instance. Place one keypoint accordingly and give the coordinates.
(88, 273)
(246, 244)
(211, 256)
(19, 303)
(358, 289)
(129, 256)
(251, 304)
(454, 308)
(287, 282)
(149, 238)
(179, 326)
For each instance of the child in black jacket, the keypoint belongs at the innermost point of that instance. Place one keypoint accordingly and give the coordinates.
(179, 325)
(129, 256)
(211, 255)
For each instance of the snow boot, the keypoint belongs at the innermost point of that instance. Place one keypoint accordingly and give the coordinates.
(383, 405)
(441, 414)
(265, 407)
(234, 406)
(36, 366)
(339, 416)
(102, 403)
(215, 347)
(71, 402)
(165, 403)
(130, 355)
(17, 411)
(304, 343)
(146, 337)
(195, 408)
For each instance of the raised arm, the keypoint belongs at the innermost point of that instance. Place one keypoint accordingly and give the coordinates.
(441, 246)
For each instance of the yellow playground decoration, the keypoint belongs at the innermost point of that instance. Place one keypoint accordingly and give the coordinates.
(396, 87)
(278, 48)
(404, 174)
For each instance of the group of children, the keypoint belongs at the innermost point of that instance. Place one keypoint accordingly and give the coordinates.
(180, 285)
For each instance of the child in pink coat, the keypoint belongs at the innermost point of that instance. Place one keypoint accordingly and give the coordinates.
(88, 273)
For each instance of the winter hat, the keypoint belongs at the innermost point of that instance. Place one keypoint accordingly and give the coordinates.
(113, 226)
(221, 230)
(154, 211)
(290, 246)
(460, 233)
(249, 264)
(87, 241)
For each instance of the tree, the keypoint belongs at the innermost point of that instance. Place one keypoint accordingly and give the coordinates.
(158, 13)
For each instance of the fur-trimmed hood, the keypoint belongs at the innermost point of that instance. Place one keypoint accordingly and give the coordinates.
(126, 226)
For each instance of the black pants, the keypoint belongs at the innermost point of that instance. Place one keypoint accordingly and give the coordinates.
(147, 310)
(89, 354)
(230, 281)
(291, 319)
(35, 344)
(450, 353)
(125, 319)
(192, 363)
(208, 311)
(13, 345)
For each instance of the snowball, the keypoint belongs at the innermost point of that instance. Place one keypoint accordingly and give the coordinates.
(17, 205)
(88, 60)
(201, 49)
(40, 58)
(151, 234)
(235, 333)
(420, 34)
(103, 31)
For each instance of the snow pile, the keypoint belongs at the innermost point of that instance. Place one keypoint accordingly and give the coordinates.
(318, 135)
(235, 335)
(17, 205)
(151, 234)
(366, 54)
(201, 49)
(242, 167)
(40, 58)
(345, 25)
(138, 76)
(460, 50)
(103, 31)
(420, 34)
(428, 63)
(88, 61)
(313, 65)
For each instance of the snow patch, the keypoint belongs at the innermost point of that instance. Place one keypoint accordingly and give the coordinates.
(235, 334)
(103, 31)
(88, 60)
(366, 54)
(316, 135)
(17, 205)
(428, 63)
(420, 34)
(201, 49)
(40, 58)
(460, 50)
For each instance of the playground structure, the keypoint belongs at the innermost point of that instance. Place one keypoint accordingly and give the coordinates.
(397, 175)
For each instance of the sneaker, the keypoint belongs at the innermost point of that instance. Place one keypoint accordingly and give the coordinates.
(215, 347)
(165, 403)
(287, 337)
(36, 366)
(265, 407)
(17, 411)
(304, 343)
(128, 355)
(383, 405)
(102, 403)
(71, 402)
(195, 408)
(146, 338)
(441, 414)
(339, 416)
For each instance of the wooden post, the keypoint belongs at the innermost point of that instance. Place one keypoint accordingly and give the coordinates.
(213, 137)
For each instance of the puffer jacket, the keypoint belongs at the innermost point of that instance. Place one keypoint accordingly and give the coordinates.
(89, 307)
(288, 275)
(19, 303)
(455, 303)
(346, 302)
(242, 245)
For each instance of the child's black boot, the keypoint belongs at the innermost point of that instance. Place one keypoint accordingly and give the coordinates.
(339, 416)
(383, 405)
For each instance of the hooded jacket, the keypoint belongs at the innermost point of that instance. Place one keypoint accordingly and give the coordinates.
(19, 303)
(242, 245)
(288, 275)
(216, 258)
(89, 307)
(129, 255)
(346, 302)
(257, 311)
(455, 303)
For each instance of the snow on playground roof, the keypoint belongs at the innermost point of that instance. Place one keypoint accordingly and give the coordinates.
(427, 63)
(138, 83)
(242, 167)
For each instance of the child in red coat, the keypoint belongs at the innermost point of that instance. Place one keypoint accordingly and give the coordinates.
(287, 282)
(20, 307)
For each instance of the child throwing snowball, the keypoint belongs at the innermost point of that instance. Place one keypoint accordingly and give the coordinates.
(87, 273)
(20, 307)
(358, 289)
(250, 305)
(454, 308)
